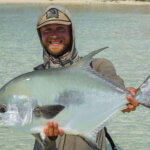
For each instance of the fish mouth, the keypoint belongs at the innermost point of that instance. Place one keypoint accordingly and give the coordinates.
(3, 108)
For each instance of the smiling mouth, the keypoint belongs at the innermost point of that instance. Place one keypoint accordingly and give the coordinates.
(56, 43)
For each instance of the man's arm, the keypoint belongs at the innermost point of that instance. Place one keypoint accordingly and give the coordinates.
(106, 68)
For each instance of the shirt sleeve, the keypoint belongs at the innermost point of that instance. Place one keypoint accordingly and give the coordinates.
(46, 144)
(106, 68)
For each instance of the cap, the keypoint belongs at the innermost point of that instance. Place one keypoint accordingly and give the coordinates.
(53, 16)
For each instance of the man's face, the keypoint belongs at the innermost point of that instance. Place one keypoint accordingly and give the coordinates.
(56, 38)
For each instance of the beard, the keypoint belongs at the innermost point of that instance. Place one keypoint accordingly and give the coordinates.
(58, 50)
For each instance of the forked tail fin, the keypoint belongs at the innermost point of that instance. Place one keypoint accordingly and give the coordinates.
(143, 93)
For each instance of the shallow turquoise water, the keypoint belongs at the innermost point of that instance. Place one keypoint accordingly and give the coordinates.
(125, 29)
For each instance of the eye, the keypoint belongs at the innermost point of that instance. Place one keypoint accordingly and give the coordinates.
(60, 29)
(46, 31)
(3, 108)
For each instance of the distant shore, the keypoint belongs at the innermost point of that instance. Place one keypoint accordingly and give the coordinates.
(72, 2)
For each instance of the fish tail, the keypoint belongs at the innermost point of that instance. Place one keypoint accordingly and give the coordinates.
(143, 93)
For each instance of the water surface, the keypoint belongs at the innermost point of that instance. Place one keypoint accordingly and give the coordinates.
(125, 29)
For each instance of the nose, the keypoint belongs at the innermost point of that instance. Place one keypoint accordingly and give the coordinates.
(3, 108)
(54, 34)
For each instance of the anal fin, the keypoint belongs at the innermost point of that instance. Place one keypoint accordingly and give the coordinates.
(92, 144)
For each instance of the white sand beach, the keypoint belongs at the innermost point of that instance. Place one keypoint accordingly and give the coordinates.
(129, 2)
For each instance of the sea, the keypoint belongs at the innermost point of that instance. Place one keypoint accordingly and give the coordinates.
(125, 29)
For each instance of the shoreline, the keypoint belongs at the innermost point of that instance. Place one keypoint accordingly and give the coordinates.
(77, 2)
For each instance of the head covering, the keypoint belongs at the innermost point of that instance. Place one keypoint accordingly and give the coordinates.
(55, 14)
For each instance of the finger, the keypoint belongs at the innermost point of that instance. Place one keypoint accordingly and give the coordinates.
(131, 107)
(132, 90)
(45, 130)
(61, 132)
(50, 129)
(49, 122)
(56, 131)
(125, 110)
(132, 100)
(133, 93)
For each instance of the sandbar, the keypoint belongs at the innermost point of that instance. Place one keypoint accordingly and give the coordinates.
(79, 2)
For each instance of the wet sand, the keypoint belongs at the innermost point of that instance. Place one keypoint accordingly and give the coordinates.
(72, 2)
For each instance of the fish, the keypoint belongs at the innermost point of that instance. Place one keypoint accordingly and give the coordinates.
(80, 99)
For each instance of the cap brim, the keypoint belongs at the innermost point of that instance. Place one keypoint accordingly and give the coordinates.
(54, 22)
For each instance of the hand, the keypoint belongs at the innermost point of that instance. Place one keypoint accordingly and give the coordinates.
(131, 106)
(51, 129)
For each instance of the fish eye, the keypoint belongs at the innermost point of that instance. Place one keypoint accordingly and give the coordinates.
(3, 108)
(36, 111)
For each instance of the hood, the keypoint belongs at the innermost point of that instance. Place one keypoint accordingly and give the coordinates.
(71, 55)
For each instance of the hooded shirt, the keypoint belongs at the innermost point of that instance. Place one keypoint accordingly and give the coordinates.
(55, 14)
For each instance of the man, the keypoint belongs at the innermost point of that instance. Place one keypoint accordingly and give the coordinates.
(56, 34)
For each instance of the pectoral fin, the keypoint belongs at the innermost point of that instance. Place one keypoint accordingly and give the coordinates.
(48, 111)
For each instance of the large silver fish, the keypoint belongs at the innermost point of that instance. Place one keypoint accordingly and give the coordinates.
(78, 98)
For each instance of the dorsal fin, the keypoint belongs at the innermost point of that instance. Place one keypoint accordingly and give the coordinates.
(85, 61)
